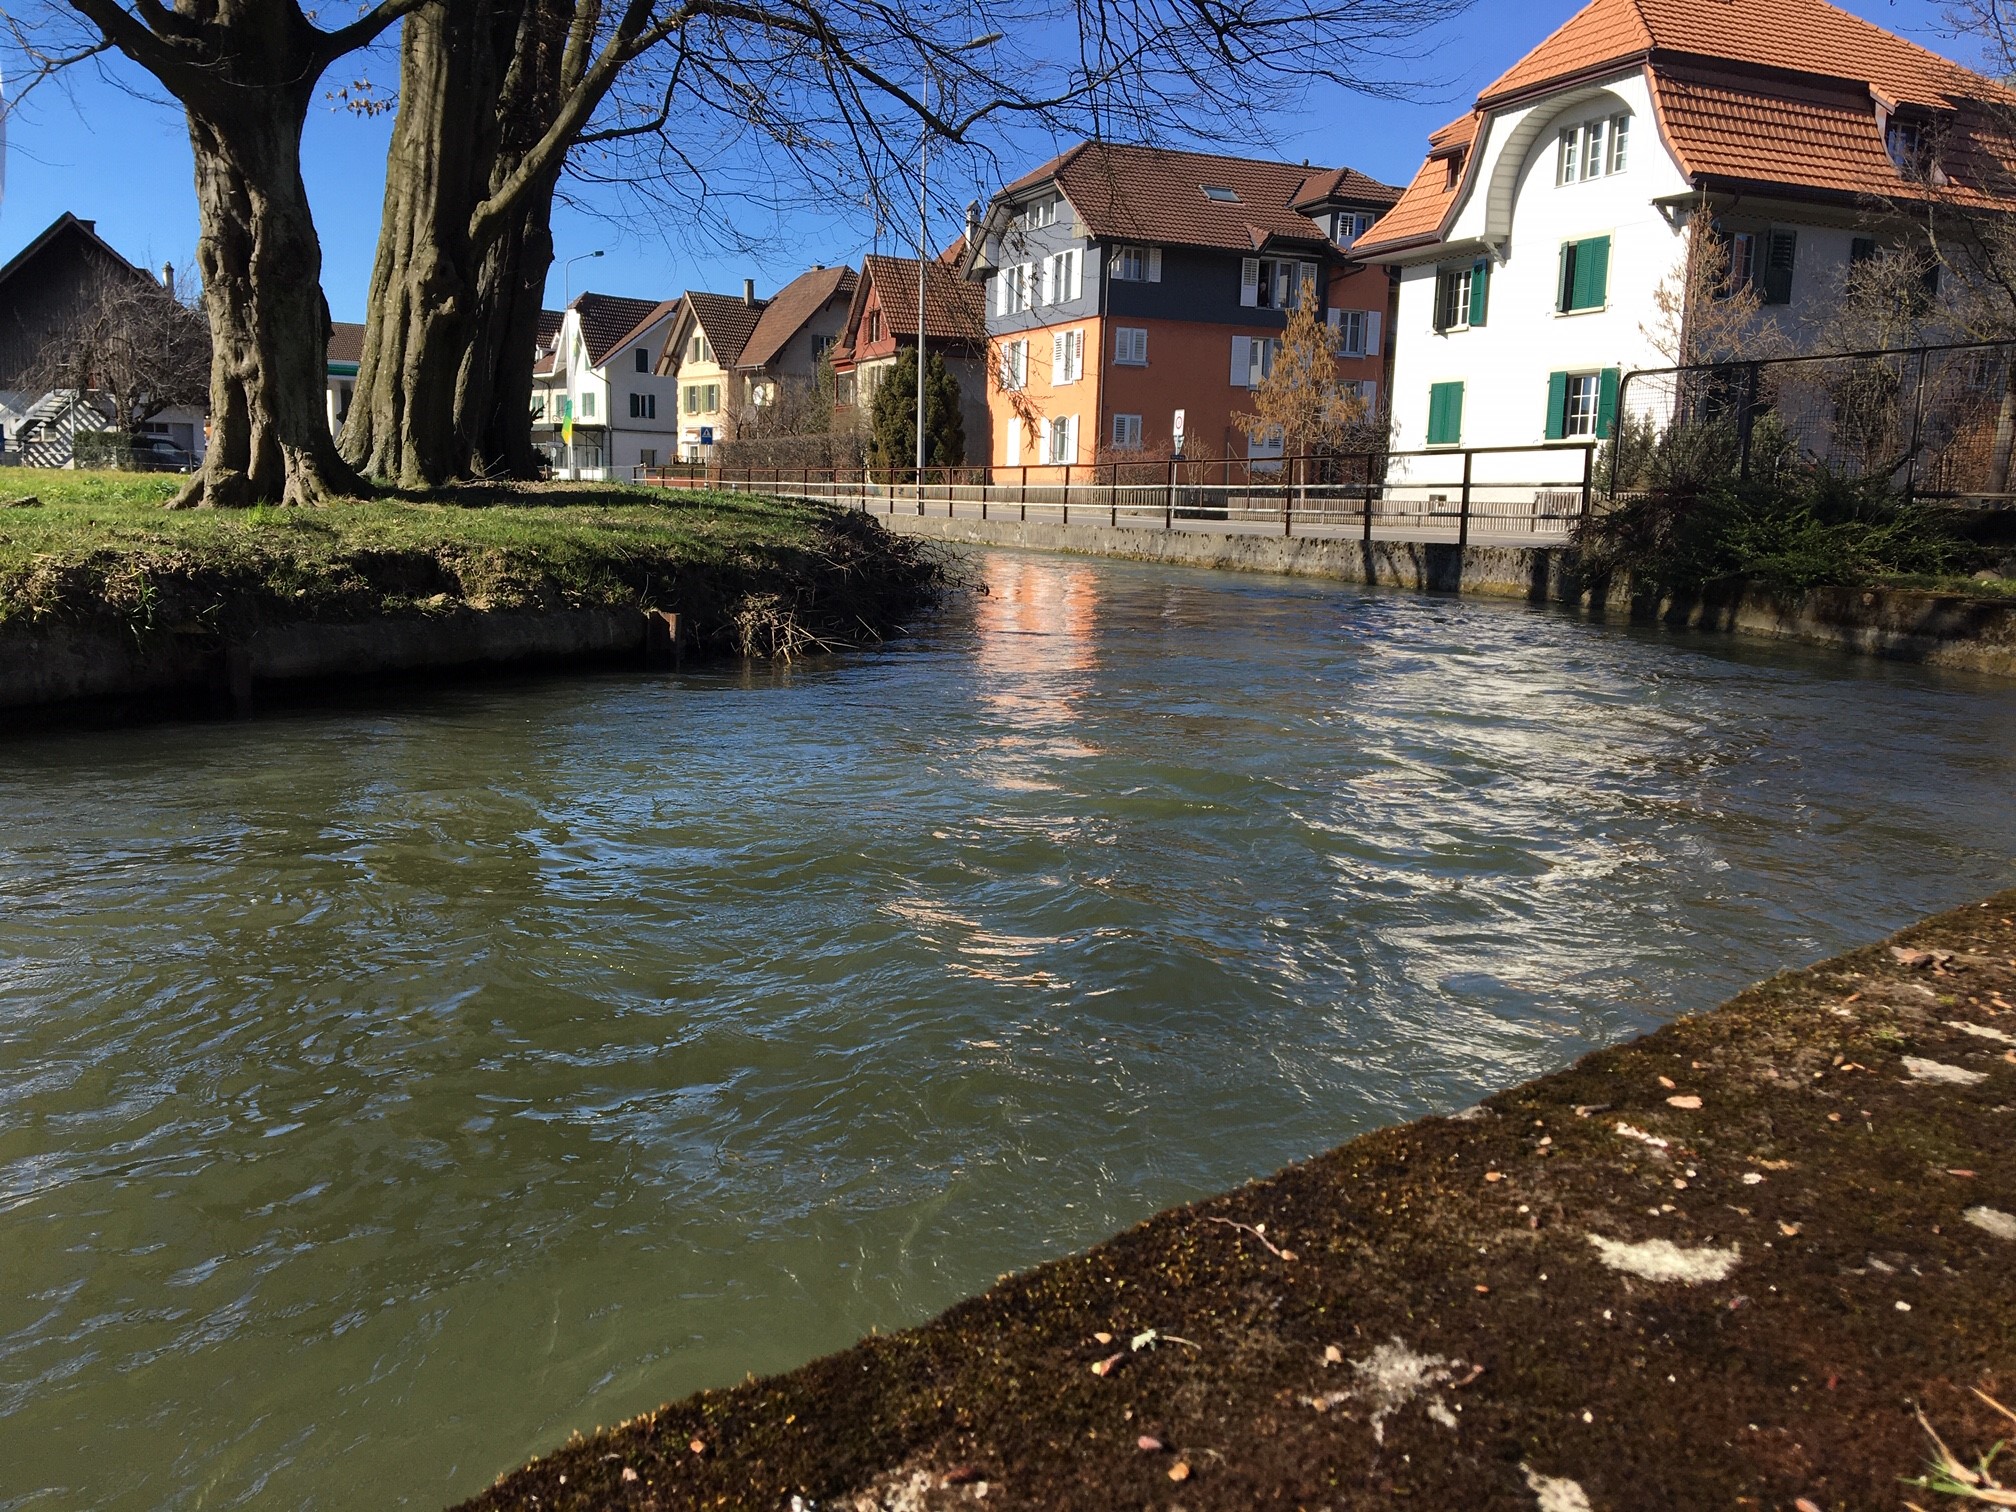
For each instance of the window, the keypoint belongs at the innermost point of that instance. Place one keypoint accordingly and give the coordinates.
(1253, 359)
(702, 398)
(762, 392)
(647, 456)
(1585, 275)
(1067, 356)
(1137, 264)
(1273, 283)
(1582, 406)
(1364, 389)
(1014, 288)
(1460, 296)
(1592, 149)
(643, 360)
(874, 326)
(1063, 445)
(1910, 150)
(1130, 345)
(1445, 414)
(1014, 364)
(1127, 432)
(1219, 193)
(1742, 262)
(1040, 213)
(697, 349)
(1781, 252)
(538, 406)
(1061, 275)
(588, 406)
(643, 406)
(1346, 226)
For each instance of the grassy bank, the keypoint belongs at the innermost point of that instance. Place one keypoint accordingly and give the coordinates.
(749, 574)
(1727, 1265)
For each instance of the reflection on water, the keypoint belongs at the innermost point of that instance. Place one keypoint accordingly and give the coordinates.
(385, 1091)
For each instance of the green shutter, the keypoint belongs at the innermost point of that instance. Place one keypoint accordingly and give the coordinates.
(1480, 284)
(1591, 281)
(1564, 282)
(1557, 406)
(1445, 414)
(1606, 403)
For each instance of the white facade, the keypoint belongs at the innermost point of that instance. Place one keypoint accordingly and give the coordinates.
(1519, 205)
(625, 413)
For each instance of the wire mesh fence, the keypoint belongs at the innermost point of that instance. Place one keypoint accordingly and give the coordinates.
(1937, 421)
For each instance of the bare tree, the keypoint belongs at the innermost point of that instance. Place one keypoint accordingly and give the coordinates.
(824, 102)
(133, 342)
(245, 73)
(1702, 314)
(1303, 399)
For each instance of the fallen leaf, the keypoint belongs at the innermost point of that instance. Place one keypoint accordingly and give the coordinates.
(629, 1475)
(1494, 1175)
(1483, 1291)
(1684, 1100)
(1103, 1338)
(1149, 1444)
(1966, 1175)
(1790, 1230)
(962, 1475)
(1179, 1471)
(1332, 1355)
(698, 1446)
(1803, 1505)
(1667, 1082)
(1105, 1367)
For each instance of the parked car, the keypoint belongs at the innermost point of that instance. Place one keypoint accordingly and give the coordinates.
(159, 454)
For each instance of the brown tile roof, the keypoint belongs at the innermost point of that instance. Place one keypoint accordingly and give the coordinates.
(346, 342)
(1424, 204)
(786, 312)
(608, 320)
(1772, 94)
(727, 321)
(1348, 185)
(546, 343)
(955, 308)
(1156, 194)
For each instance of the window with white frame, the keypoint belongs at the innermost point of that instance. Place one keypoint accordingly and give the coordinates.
(1040, 213)
(588, 406)
(1014, 364)
(1275, 283)
(1585, 403)
(1593, 149)
(643, 406)
(1253, 359)
(1452, 298)
(1346, 226)
(1063, 439)
(1014, 288)
(1067, 356)
(1137, 264)
(1350, 328)
(647, 456)
(1130, 346)
(697, 349)
(1126, 432)
(1062, 273)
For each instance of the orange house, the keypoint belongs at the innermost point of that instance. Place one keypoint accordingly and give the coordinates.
(1136, 297)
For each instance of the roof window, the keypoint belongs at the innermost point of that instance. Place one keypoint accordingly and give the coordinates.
(1220, 193)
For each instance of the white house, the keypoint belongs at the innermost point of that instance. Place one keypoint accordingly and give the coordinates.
(602, 405)
(1534, 240)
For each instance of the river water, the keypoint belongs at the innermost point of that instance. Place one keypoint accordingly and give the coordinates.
(389, 1088)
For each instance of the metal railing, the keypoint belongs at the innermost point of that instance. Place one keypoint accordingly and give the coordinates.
(1937, 420)
(1524, 495)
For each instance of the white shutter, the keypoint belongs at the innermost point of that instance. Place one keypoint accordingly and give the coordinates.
(1369, 389)
(1249, 280)
(1336, 319)
(1060, 357)
(1001, 292)
(1308, 281)
(1077, 274)
(1043, 289)
(1373, 348)
(1154, 265)
(1068, 428)
(1025, 285)
(1077, 354)
(1242, 360)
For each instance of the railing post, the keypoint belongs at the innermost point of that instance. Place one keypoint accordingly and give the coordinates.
(1169, 499)
(1589, 477)
(1463, 513)
(1113, 493)
(1024, 500)
(1067, 493)
(1368, 498)
(1917, 426)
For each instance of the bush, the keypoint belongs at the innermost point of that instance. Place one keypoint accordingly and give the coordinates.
(1695, 522)
(892, 426)
(102, 448)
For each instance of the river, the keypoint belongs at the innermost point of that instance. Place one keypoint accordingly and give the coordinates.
(390, 1086)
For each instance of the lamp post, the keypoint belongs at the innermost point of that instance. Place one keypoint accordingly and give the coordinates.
(924, 242)
(567, 276)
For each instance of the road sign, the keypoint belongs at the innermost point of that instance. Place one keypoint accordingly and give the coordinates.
(1179, 430)
(706, 435)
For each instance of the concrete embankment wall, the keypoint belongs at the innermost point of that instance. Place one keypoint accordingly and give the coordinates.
(70, 664)
(1941, 629)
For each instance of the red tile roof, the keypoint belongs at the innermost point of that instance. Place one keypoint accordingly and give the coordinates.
(346, 342)
(955, 309)
(1154, 194)
(785, 313)
(1426, 202)
(728, 320)
(1765, 94)
(609, 320)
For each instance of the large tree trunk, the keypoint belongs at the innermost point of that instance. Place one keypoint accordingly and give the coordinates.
(269, 324)
(444, 388)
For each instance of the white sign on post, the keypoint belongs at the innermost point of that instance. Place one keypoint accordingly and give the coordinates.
(1179, 430)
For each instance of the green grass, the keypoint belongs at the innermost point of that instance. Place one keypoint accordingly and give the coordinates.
(100, 546)
(1965, 587)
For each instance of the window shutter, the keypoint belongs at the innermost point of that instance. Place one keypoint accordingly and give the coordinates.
(1077, 274)
(1480, 285)
(1557, 406)
(1861, 249)
(1606, 402)
(1249, 281)
(1373, 346)
(1308, 290)
(1001, 292)
(1445, 414)
(1057, 357)
(1781, 254)
(1564, 297)
(1336, 319)
(1369, 392)
(1070, 424)
(1594, 255)
(1242, 359)
(1043, 285)
(1154, 265)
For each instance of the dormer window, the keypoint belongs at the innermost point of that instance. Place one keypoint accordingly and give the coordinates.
(1040, 214)
(1909, 145)
(1346, 226)
(1220, 193)
(1452, 169)
(1593, 149)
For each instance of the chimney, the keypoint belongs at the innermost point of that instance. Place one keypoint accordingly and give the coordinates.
(972, 223)
(749, 292)
(168, 278)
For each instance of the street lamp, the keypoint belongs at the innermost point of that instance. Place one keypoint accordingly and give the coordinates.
(567, 276)
(924, 242)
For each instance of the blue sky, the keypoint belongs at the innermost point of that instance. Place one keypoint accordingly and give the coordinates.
(95, 149)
